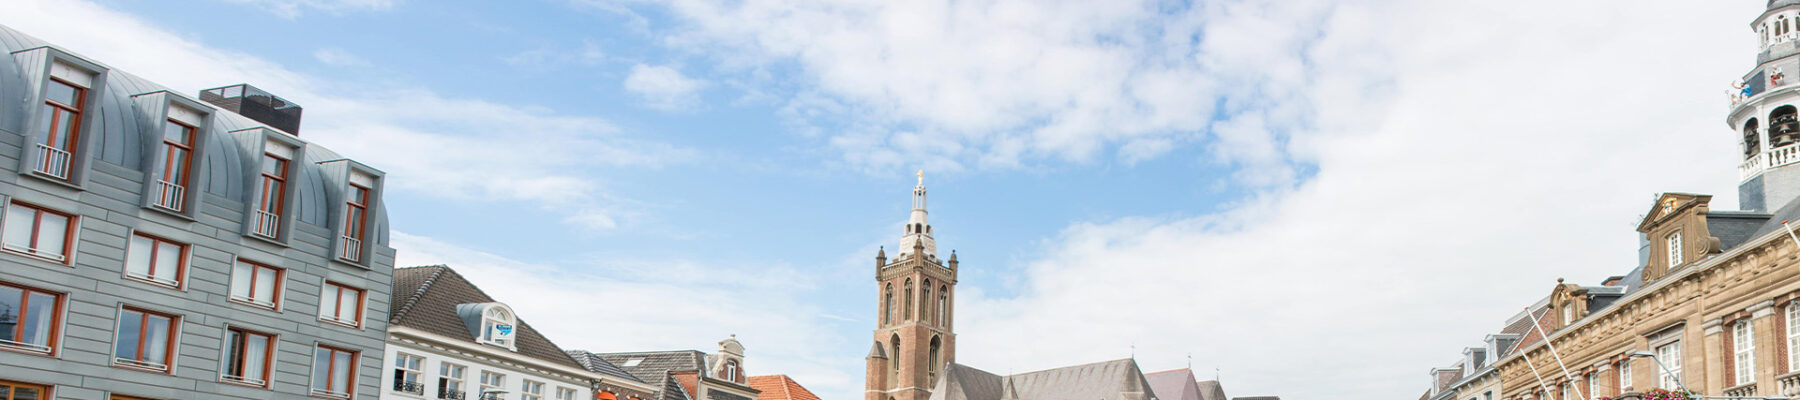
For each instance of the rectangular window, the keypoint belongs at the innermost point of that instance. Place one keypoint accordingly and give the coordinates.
(1670, 375)
(274, 193)
(356, 215)
(34, 323)
(563, 393)
(1743, 343)
(178, 154)
(492, 380)
(146, 339)
(334, 372)
(38, 232)
(156, 260)
(256, 284)
(450, 381)
(1793, 335)
(60, 128)
(1593, 385)
(1674, 245)
(23, 391)
(251, 356)
(532, 391)
(341, 304)
(1624, 375)
(408, 370)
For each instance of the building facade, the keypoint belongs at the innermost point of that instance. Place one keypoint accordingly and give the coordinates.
(448, 340)
(156, 245)
(915, 335)
(684, 374)
(1714, 304)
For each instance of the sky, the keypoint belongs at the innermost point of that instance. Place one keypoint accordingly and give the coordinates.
(1304, 198)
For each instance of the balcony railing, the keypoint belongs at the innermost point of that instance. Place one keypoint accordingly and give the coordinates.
(41, 253)
(409, 387)
(244, 380)
(328, 393)
(1789, 384)
(452, 394)
(142, 364)
(170, 195)
(351, 250)
(1744, 390)
(1774, 158)
(267, 224)
(25, 346)
(53, 161)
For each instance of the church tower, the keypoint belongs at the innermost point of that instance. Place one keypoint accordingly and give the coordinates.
(915, 300)
(1764, 115)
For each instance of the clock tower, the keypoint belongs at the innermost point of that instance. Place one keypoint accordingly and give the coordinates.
(915, 295)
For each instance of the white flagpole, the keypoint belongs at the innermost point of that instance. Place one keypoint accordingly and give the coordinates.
(1552, 347)
(1790, 231)
(1534, 372)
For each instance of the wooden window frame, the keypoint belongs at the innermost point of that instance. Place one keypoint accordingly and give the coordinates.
(44, 391)
(331, 369)
(273, 190)
(37, 223)
(181, 264)
(236, 377)
(53, 338)
(362, 299)
(169, 349)
(184, 165)
(356, 221)
(56, 108)
(257, 268)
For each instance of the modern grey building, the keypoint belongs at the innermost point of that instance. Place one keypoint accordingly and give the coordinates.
(159, 246)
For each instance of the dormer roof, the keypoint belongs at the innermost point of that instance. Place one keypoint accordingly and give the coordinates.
(427, 298)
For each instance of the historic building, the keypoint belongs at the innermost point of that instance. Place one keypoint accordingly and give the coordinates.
(158, 245)
(1473, 377)
(780, 387)
(681, 374)
(1181, 384)
(913, 355)
(1713, 305)
(448, 340)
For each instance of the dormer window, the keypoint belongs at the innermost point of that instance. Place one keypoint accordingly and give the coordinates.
(1673, 244)
(731, 370)
(59, 126)
(178, 157)
(497, 327)
(1568, 314)
(273, 195)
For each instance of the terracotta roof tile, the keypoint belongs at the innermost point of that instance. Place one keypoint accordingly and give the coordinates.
(780, 387)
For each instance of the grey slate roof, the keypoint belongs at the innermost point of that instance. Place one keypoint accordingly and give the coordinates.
(593, 362)
(1788, 212)
(1211, 390)
(1112, 380)
(1734, 227)
(426, 299)
(1176, 384)
(655, 366)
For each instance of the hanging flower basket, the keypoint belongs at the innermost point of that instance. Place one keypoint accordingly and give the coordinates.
(1656, 394)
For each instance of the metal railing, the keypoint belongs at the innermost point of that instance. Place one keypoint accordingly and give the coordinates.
(351, 250)
(170, 195)
(328, 393)
(142, 364)
(243, 380)
(53, 161)
(25, 346)
(267, 224)
(170, 282)
(35, 252)
(409, 387)
(452, 394)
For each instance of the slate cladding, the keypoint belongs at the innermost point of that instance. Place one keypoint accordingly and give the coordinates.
(430, 296)
(1117, 379)
(107, 194)
(593, 362)
(655, 366)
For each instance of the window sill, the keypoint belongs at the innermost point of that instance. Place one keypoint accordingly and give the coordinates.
(26, 350)
(54, 180)
(357, 264)
(64, 262)
(266, 239)
(123, 364)
(152, 282)
(172, 213)
(334, 321)
(236, 382)
(275, 308)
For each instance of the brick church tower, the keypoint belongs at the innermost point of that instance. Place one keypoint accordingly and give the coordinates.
(915, 302)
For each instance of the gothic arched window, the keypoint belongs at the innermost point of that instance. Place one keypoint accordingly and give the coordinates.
(1752, 145)
(887, 306)
(936, 358)
(943, 307)
(909, 299)
(894, 359)
(925, 312)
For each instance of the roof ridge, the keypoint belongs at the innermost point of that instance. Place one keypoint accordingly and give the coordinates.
(413, 298)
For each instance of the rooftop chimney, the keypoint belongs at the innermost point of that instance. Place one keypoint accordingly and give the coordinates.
(256, 104)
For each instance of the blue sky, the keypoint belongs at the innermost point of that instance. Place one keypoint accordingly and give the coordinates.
(1247, 182)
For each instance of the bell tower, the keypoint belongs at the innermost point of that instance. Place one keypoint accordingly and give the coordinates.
(915, 295)
(1763, 112)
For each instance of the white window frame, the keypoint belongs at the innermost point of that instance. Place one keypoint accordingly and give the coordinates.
(1669, 376)
(1674, 249)
(563, 393)
(490, 324)
(531, 390)
(1743, 343)
(1593, 385)
(403, 368)
(1624, 374)
(499, 382)
(446, 378)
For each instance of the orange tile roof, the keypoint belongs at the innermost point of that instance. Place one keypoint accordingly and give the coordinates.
(690, 381)
(780, 387)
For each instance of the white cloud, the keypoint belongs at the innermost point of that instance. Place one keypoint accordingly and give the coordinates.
(291, 9)
(664, 87)
(338, 57)
(459, 147)
(656, 305)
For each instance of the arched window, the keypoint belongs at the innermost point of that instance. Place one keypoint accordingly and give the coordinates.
(937, 346)
(731, 370)
(909, 300)
(943, 307)
(894, 360)
(1752, 145)
(497, 326)
(1784, 129)
(925, 312)
(1781, 25)
(887, 306)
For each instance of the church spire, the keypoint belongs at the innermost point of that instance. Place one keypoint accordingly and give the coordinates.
(918, 230)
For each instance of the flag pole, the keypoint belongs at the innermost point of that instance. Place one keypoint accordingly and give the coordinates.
(1552, 347)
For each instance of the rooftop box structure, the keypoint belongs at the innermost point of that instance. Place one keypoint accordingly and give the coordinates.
(256, 104)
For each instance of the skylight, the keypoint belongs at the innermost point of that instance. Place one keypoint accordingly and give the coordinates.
(633, 362)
